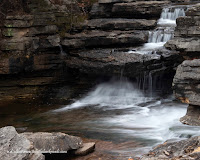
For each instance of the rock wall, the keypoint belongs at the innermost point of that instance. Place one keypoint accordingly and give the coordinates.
(186, 81)
(41, 49)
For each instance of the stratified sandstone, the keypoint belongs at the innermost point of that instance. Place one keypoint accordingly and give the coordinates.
(187, 34)
(102, 39)
(186, 82)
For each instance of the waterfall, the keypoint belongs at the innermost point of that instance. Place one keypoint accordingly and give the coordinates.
(160, 35)
(172, 13)
(164, 32)
(62, 52)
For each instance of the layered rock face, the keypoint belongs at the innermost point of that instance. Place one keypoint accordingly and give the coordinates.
(38, 52)
(186, 81)
(187, 34)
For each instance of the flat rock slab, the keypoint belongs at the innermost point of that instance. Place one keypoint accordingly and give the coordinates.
(112, 61)
(143, 9)
(85, 149)
(120, 24)
(182, 150)
(53, 142)
(14, 146)
(101, 38)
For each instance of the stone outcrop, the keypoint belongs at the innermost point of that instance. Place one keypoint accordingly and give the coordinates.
(186, 81)
(187, 34)
(182, 150)
(192, 116)
(16, 147)
(115, 61)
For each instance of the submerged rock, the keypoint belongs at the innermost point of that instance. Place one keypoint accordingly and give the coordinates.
(182, 150)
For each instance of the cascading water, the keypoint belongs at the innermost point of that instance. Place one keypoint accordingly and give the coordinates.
(119, 111)
(164, 32)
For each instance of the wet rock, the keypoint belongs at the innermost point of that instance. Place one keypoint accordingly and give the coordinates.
(101, 38)
(192, 116)
(85, 149)
(53, 142)
(120, 24)
(182, 150)
(16, 147)
(186, 82)
(114, 61)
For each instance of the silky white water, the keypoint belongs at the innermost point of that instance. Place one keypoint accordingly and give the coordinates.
(164, 32)
(130, 115)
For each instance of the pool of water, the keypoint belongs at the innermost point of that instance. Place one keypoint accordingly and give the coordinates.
(115, 111)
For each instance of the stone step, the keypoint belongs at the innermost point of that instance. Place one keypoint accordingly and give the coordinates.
(85, 149)
(105, 39)
(120, 24)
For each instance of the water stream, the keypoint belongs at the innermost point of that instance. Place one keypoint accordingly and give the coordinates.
(117, 110)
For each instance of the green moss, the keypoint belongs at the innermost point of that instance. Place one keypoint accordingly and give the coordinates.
(8, 32)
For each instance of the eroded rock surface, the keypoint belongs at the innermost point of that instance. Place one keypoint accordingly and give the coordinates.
(192, 116)
(188, 149)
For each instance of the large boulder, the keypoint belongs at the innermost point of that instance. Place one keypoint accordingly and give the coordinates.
(53, 142)
(182, 150)
(16, 147)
